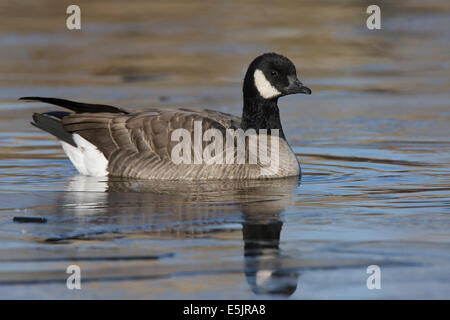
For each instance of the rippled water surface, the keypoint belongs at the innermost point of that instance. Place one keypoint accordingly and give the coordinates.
(372, 139)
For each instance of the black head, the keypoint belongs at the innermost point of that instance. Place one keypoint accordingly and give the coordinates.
(271, 76)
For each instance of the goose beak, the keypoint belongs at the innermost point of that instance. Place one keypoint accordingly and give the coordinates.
(295, 86)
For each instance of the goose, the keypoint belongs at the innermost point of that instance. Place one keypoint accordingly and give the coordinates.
(102, 140)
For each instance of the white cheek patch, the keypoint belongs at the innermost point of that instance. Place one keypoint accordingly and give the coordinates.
(86, 158)
(265, 89)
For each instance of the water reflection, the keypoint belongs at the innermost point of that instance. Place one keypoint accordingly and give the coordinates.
(264, 260)
(161, 205)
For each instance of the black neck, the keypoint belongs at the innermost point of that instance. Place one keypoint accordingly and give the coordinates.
(260, 113)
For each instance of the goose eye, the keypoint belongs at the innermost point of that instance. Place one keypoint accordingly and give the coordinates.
(273, 73)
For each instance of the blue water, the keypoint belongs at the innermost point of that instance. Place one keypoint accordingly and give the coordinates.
(372, 140)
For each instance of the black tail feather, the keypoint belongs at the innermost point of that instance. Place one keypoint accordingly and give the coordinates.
(58, 114)
(52, 125)
(78, 107)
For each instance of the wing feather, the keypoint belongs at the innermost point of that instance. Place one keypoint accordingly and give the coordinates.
(139, 145)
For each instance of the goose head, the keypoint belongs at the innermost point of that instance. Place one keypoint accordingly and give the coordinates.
(271, 76)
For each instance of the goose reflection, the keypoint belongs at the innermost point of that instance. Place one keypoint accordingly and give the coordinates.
(177, 207)
(264, 261)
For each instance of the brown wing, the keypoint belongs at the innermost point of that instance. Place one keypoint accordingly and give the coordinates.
(139, 144)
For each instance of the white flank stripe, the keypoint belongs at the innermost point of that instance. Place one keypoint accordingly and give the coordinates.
(86, 158)
(266, 90)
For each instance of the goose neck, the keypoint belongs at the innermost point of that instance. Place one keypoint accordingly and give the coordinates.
(259, 113)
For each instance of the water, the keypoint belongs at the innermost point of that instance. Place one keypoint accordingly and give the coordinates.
(372, 139)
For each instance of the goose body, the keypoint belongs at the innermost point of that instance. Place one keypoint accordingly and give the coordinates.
(103, 140)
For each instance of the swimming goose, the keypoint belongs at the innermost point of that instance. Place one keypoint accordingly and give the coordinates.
(103, 140)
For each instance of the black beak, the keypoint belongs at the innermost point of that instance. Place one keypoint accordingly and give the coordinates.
(295, 86)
